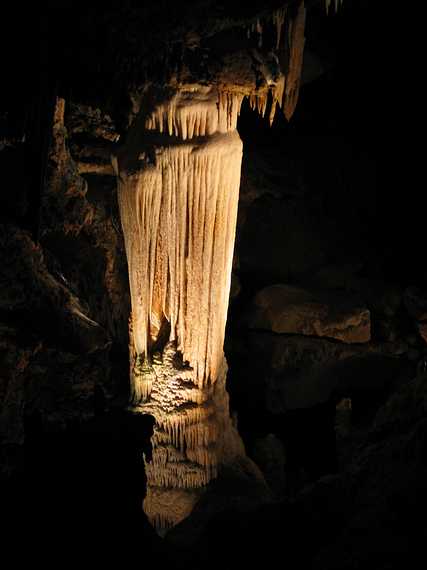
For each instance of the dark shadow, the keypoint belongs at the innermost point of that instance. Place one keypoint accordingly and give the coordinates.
(81, 490)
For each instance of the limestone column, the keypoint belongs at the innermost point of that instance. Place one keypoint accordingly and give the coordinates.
(178, 184)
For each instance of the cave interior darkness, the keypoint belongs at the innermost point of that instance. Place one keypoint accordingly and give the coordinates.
(347, 491)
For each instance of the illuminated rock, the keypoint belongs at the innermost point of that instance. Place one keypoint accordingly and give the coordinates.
(178, 195)
(286, 309)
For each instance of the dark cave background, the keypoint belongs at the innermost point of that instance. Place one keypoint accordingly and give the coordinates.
(316, 209)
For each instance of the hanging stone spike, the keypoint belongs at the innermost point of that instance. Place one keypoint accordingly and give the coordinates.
(337, 4)
(279, 21)
(259, 31)
(264, 105)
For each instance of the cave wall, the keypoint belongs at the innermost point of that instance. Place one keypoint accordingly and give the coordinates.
(313, 214)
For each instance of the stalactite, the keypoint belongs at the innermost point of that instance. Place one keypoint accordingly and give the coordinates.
(279, 21)
(296, 46)
(277, 97)
(337, 4)
(284, 90)
(192, 113)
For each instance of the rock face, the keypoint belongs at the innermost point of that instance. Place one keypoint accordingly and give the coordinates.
(286, 372)
(53, 354)
(286, 309)
(64, 301)
(79, 230)
(422, 328)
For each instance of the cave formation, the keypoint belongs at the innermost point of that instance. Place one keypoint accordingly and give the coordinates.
(200, 262)
(178, 206)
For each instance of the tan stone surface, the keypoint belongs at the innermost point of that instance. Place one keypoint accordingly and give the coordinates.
(292, 310)
(178, 192)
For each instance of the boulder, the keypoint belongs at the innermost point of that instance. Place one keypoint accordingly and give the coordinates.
(292, 310)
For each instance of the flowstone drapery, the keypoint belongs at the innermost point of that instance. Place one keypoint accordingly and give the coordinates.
(178, 196)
